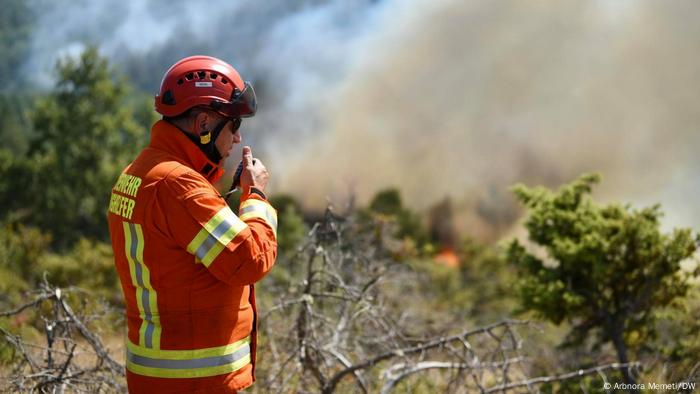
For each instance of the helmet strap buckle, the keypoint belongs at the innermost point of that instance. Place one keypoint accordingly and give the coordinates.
(205, 137)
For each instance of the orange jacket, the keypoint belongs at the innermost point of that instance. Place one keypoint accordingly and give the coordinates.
(187, 265)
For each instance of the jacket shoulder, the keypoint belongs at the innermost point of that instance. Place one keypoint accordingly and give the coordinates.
(185, 182)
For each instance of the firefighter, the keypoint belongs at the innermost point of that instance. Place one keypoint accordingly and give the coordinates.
(187, 264)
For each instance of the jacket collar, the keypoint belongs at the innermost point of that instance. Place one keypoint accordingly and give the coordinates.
(167, 137)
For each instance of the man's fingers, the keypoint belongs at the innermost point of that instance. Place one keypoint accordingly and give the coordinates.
(247, 156)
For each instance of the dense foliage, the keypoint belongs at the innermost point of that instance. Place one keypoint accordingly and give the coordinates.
(606, 269)
(84, 134)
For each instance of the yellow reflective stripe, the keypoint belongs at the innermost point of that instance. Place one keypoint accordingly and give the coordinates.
(253, 208)
(216, 234)
(188, 363)
(201, 236)
(212, 254)
(127, 250)
(154, 330)
(146, 296)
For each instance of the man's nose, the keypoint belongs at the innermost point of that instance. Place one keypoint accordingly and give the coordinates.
(237, 137)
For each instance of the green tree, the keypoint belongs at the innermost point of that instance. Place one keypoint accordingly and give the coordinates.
(84, 134)
(607, 267)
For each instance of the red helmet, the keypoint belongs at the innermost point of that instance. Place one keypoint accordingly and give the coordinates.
(208, 82)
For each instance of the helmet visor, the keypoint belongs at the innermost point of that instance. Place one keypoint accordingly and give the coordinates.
(243, 104)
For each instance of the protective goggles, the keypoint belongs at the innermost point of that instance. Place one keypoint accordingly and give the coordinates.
(243, 104)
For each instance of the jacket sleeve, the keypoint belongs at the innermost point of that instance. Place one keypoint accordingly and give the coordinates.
(237, 250)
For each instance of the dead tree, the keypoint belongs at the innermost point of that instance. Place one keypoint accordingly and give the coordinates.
(338, 326)
(72, 358)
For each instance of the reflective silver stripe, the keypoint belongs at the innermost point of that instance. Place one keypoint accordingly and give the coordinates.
(213, 238)
(252, 208)
(189, 364)
(215, 235)
(145, 293)
(249, 208)
(206, 246)
(258, 208)
(271, 219)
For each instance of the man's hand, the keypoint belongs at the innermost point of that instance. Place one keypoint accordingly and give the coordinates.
(254, 172)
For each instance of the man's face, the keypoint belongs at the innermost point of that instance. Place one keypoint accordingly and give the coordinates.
(227, 138)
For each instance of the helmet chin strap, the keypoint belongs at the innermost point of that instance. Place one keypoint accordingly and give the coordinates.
(207, 142)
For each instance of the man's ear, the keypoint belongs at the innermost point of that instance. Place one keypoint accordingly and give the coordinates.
(201, 127)
(201, 123)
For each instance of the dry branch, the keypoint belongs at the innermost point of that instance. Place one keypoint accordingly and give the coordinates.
(58, 370)
(338, 323)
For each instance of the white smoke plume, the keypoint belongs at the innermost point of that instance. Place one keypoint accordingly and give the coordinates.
(439, 98)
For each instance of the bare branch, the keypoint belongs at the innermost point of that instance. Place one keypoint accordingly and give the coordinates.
(59, 370)
(92, 339)
(431, 344)
(562, 377)
(43, 297)
(396, 373)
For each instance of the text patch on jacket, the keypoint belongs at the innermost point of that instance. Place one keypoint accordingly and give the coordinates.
(122, 205)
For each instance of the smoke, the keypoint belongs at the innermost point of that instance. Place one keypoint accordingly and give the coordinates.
(441, 98)
(465, 99)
